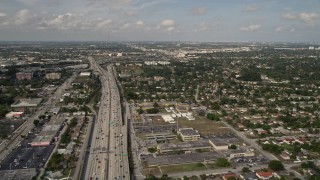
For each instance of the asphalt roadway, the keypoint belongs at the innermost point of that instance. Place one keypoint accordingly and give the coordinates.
(108, 151)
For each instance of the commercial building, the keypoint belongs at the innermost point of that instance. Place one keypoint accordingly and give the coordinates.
(53, 76)
(266, 175)
(219, 145)
(14, 114)
(68, 149)
(21, 76)
(41, 141)
(188, 134)
(85, 74)
(229, 175)
(184, 146)
(31, 102)
(79, 113)
(168, 118)
(46, 136)
(249, 176)
(155, 161)
(182, 107)
(240, 153)
(55, 110)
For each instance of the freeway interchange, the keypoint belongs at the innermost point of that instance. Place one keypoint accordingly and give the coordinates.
(108, 156)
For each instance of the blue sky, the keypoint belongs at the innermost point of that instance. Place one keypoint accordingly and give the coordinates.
(165, 20)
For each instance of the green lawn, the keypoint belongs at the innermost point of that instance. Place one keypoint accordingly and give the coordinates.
(287, 147)
(183, 168)
(203, 125)
(142, 136)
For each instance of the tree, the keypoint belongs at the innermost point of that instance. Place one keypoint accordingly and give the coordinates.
(73, 122)
(164, 177)
(41, 116)
(150, 177)
(152, 149)
(232, 178)
(3, 110)
(308, 164)
(203, 177)
(250, 75)
(276, 165)
(245, 170)
(215, 106)
(140, 111)
(153, 111)
(213, 117)
(194, 177)
(222, 162)
(232, 146)
(36, 122)
(273, 148)
(155, 105)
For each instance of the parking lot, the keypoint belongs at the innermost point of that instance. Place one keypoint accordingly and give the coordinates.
(250, 161)
(24, 156)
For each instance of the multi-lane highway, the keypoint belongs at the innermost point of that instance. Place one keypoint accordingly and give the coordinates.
(108, 158)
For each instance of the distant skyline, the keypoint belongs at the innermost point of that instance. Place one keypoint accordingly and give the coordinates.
(160, 20)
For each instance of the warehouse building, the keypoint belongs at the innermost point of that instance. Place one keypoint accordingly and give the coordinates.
(46, 136)
(31, 102)
(22, 76)
(13, 114)
(219, 145)
(188, 134)
(184, 146)
(53, 76)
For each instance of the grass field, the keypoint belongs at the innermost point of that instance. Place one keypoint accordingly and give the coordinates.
(183, 168)
(155, 171)
(142, 136)
(203, 125)
(212, 166)
(158, 120)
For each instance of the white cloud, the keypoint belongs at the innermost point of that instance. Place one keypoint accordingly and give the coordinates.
(140, 23)
(28, 2)
(74, 21)
(168, 22)
(289, 16)
(251, 28)
(108, 3)
(64, 21)
(104, 24)
(202, 27)
(250, 9)
(285, 28)
(199, 11)
(308, 18)
(132, 13)
(281, 28)
(23, 17)
(170, 29)
(3, 14)
(125, 26)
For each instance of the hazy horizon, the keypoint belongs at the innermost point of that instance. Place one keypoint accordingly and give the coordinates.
(160, 20)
